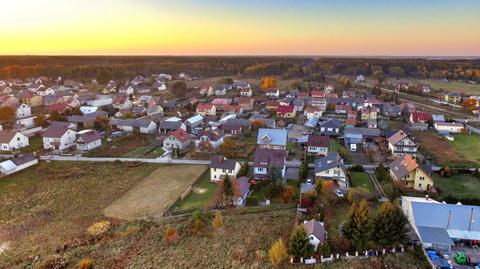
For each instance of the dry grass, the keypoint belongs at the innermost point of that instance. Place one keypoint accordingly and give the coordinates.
(156, 193)
(43, 206)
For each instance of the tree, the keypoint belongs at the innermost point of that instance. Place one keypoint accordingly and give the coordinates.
(274, 173)
(55, 116)
(300, 244)
(345, 82)
(257, 124)
(227, 189)
(227, 149)
(358, 227)
(171, 235)
(197, 222)
(217, 221)
(100, 123)
(287, 193)
(76, 111)
(355, 195)
(278, 253)
(40, 120)
(379, 76)
(390, 225)
(7, 114)
(85, 264)
(244, 170)
(273, 189)
(179, 89)
(381, 174)
(269, 83)
(470, 104)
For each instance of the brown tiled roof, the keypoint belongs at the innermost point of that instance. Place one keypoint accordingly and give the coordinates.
(6, 136)
(403, 166)
(318, 141)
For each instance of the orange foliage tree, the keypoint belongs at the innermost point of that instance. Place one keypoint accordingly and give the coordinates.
(287, 193)
(470, 104)
(257, 124)
(171, 235)
(269, 83)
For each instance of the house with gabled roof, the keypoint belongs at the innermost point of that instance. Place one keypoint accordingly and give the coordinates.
(316, 232)
(58, 137)
(330, 127)
(178, 139)
(401, 143)
(406, 171)
(221, 167)
(266, 159)
(206, 109)
(209, 140)
(287, 112)
(246, 103)
(88, 139)
(272, 138)
(318, 145)
(331, 167)
(12, 140)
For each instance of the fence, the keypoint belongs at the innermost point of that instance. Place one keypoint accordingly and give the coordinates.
(348, 255)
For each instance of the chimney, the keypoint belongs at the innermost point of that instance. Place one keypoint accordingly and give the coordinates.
(471, 219)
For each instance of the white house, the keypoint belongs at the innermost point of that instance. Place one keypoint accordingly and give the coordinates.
(88, 140)
(315, 232)
(209, 140)
(331, 167)
(12, 140)
(400, 144)
(318, 145)
(178, 139)
(448, 127)
(101, 100)
(23, 111)
(59, 138)
(266, 159)
(273, 93)
(221, 166)
(16, 164)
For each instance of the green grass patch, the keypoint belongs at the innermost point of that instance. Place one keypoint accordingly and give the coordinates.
(335, 146)
(360, 179)
(468, 146)
(458, 185)
(200, 197)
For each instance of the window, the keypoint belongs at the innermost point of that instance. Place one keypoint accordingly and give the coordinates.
(422, 178)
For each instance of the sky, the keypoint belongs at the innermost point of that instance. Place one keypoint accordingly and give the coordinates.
(241, 27)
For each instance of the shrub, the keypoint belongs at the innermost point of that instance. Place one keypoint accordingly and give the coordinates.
(251, 201)
(287, 193)
(217, 222)
(86, 264)
(324, 249)
(99, 228)
(278, 253)
(54, 261)
(171, 235)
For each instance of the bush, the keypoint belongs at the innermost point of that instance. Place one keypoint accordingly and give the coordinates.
(86, 264)
(251, 201)
(217, 222)
(324, 249)
(278, 253)
(171, 235)
(54, 261)
(99, 228)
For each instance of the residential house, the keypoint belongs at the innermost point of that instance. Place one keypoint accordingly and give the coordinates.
(369, 113)
(159, 86)
(438, 118)
(406, 170)
(194, 122)
(88, 139)
(206, 90)
(401, 143)
(247, 92)
(313, 112)
(299, 104)
(243, 184)
(419, 120)
(330, 127)
(235, 126)
(100, 100)
(390, 109)
(453, 98)
(206, 109)
(30, 99)
(448, 127)
(233, 109)
(342, 109)
(139, 111)
(358, 135)
(272, 93)
(154, 110)
(17, 164)
(126, 90)
(331, 167)
(59, 137)
(265, 159)
(272, 138)
(170, 125)
(287, 112)
(178, 139)
(23, 111)
(246, 103)
(316, 232)
(208, 140)
(122, 102)
(221, 167)
(12, 140)
(142, 125)
(318, 145)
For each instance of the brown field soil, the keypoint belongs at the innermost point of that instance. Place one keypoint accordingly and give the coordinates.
(120, 146)
(156, 193)
(439, 148)
(45, 205)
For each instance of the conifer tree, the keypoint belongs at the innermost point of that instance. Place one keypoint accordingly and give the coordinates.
(300, 244)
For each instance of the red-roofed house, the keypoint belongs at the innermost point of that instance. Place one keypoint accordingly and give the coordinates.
(420, 117)
(58, 107)
(206, 109)
(286, 111)
(246, 103)
(177, 139)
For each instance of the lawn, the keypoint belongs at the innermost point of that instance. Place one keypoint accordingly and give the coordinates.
(335, 146)
(360, 179)
(149, 151)
(45, 205)
(35, 144)
(450, 86)
(201, 196)
(468, 146)
(458, 185)
(156, 193)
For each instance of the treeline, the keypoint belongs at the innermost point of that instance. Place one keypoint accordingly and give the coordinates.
(116, 67)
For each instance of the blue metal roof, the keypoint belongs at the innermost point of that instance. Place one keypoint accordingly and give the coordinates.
(434, 236)
(275, 136)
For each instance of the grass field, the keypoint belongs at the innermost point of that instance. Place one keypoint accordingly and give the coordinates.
(468, 146)
(200, 197)
(458, 185)
(156, 193)
(360, 179)
(45, 205)
(450, 86)
(148, 151)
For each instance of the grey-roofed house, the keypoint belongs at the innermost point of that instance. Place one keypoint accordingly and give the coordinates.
(442, 225)
(265, 159)
(243, 184)
(194, 122)
(220, 167)
(170, 125)
(331, 167)
(391, 109)
(272, 138)
(315, 232)
(144, 125)
(88, 140)
(357, 135)
(330, 127)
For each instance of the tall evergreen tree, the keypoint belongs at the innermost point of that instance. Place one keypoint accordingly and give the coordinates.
(390, 225)
(358, 226)
(274, 174)
(300, 244)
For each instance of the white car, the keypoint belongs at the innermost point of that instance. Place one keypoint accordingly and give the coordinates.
(339, 193)
(353, 147)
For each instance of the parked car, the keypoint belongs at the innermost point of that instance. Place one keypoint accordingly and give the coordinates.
(339, 193)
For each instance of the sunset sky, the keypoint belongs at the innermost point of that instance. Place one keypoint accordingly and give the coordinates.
(243, 27)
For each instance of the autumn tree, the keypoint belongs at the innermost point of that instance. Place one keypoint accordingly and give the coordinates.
(287, 193)
(217, 221)
(278, 253)
(358, 227)
(257, 124)
(100, 123)
(470, 104)
(197, 222)
(300, 244)
(273, 189)
(7, 115)
(244, 170)
(390, 225)
(171, 235)
(227, 149)
(379, 76)
(40, 120)
(179, 89)
(55, 116)
(269, 82)
(227, 190)
(345, 82)
(85, 264)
